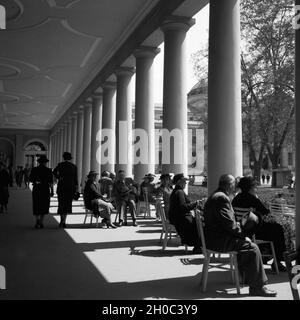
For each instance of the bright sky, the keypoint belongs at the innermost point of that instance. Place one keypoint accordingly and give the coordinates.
(197, 37)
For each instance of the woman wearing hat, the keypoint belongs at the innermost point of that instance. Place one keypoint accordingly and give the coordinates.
(42, 179)
(66, 174)
(263, 230)
(95, 201)
(180, 214)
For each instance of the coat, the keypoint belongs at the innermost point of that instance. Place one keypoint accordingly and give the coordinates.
(222, 233)
(66, 174)
(180, 216)
(42, 180)
(90, 194)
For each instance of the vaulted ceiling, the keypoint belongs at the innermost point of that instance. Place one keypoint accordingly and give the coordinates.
(52, 49)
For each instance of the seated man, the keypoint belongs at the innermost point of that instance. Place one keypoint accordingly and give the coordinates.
(180, 214)
(95, 201)
(223, 233)
(122, 192)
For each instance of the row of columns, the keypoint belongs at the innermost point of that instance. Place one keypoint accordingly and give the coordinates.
(113, 106)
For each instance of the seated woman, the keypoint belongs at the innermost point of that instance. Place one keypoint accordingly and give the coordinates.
(94, 200)
(264, 230)
(180, 214)
(150, 186)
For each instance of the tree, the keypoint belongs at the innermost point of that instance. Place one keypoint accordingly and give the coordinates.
(267, 64)
(267, 78)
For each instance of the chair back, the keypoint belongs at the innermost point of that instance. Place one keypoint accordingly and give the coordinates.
(161, 212)
(200, 229)
(241, 213)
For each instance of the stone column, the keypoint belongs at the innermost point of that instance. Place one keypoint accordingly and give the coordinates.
(69, 135)
(144, 149)
(86, 150)
(96, 131)
(65, 137)
(175, 150)
(74, 136)
(61, 146)
(124, 121)
(79, 144)
(297, 128)
(225, 147)
(108, 136)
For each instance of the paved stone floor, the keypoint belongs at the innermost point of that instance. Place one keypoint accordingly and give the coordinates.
(84, 262)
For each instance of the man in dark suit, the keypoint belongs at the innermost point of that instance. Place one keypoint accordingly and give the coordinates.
(66, 174)
(223, 233)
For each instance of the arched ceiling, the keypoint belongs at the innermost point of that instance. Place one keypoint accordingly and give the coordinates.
(53, 51)
(52, 48)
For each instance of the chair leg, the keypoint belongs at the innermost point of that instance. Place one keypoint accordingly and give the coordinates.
(236, 273)
(161, 235)
(91, 219)
(165, 241)
(97, 219)
(274, 257)
(84, 221)
(205, 273)
(186, 249)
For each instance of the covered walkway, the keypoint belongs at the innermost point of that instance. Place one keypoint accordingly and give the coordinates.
(89, 263)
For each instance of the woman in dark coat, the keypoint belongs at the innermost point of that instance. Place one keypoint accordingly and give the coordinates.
(270, 231)
(180, 214)
(42, 180)
(4, 183)
(66, 174)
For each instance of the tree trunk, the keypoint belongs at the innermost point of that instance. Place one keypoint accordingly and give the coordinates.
(274, 173)
(257, 171)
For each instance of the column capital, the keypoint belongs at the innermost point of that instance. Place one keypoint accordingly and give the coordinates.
(109, 85)
(146, 52)
(125, 71)
(96, 95)
(177, 23)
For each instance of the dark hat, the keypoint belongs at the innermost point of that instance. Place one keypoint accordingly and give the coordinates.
(149, 176)
(67, 156)
(92, 173)
(178, 177)
(165, 175)
(246, 183)
(42, 159)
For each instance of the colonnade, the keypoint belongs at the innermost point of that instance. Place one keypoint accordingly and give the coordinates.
(99, 133)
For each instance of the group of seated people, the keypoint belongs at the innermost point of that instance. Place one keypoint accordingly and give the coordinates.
(121, 192)
(222, 231)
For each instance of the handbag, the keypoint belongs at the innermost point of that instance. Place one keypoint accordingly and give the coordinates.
(250, 221)
(76, 196)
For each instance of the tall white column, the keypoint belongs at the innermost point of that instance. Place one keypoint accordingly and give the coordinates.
(79, 144)
(69, 135)
(108, 144)
(144, 152)
(175, 151)
(297, 128)
(61, 145)
(86, 153)
(74, 136)
(225, 148)
(65, 137)
(96, 131)
(124, 121)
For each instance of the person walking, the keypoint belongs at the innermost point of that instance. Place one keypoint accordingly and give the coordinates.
(42, 179)
(67, 177)
(4, 183)
(19, 176)
(26, 175)
(268, 178)
(263, 178)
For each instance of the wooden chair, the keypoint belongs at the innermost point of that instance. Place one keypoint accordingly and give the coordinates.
(144, 204)
(209, 253)
(89, 213)
(240, 214)
(168, 230)
(289, 258)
